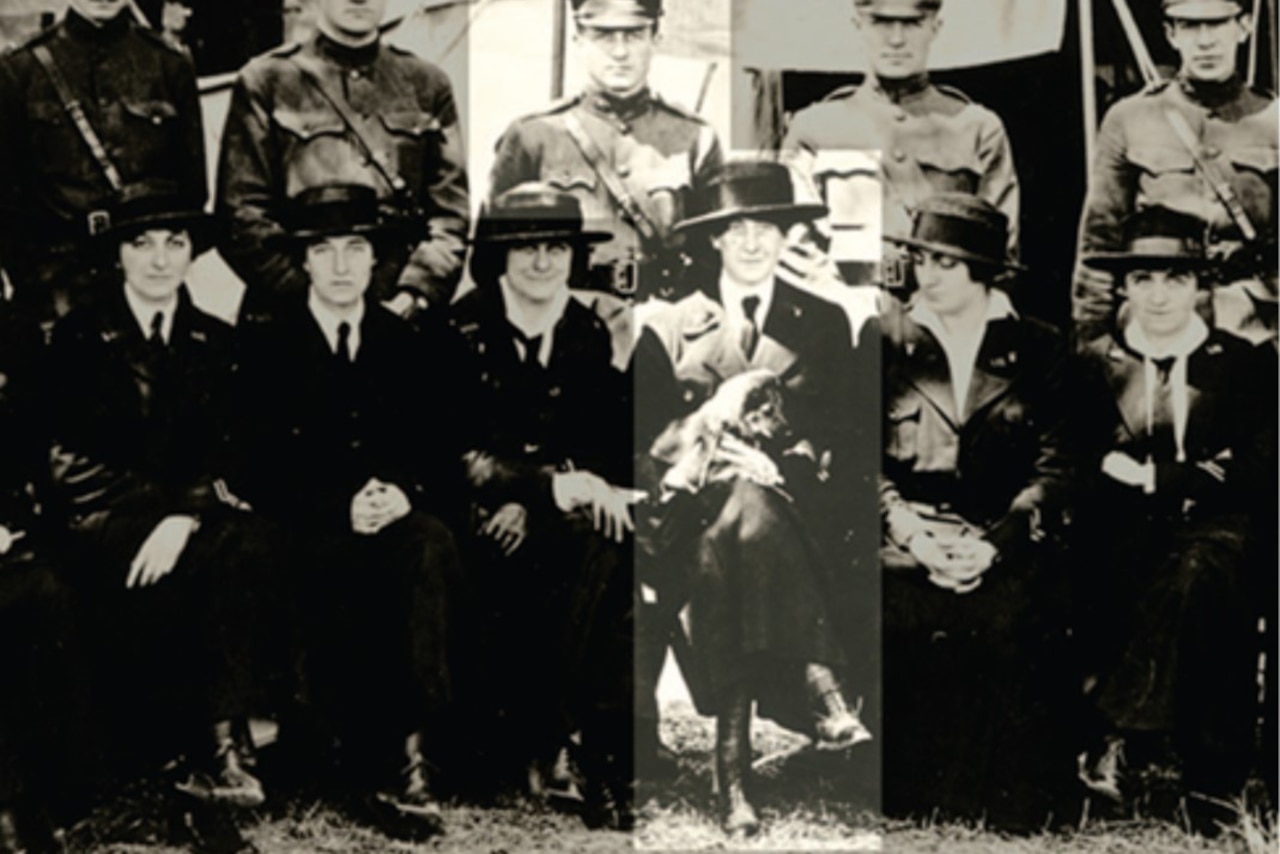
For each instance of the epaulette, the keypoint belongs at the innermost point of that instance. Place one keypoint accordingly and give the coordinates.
(32, 40)
(556, 107)
(399, 49)
(683, 112)
(1261, 92)
(841, 92)
(953, 92)
(285, 50)
(1155, 87)
(156, 39)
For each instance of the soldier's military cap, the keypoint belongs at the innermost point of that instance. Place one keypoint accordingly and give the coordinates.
(1156, 237)
(1201, 10)
(906, 9)
(617, 13)
(963, 226)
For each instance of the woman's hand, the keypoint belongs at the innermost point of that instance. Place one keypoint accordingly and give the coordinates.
(1123, 468)
(956, 564)
(161, 550)
(609, 506)
(508, 527)
(735, 458)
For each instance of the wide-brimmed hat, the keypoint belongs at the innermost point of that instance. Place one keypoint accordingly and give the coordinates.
(330, 210)
(154, 205)
(533, 212)
(616, 14)
(902, 9)
(963, 226)
(758, 189)
(1156, 237)
(1201, 10)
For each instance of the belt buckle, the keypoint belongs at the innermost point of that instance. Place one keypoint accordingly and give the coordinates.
(897, 273)
(625, 274)
(99, 222)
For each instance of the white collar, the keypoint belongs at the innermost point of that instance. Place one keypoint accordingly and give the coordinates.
(330, 321)
(532, 324)
(732, 293)
(144, 313)
(999, 307)
(1187, 342)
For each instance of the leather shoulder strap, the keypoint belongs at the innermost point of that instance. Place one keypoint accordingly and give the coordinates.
(72, 105)
(1208, 170)
(611, 180)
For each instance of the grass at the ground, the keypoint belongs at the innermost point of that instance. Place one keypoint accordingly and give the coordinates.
(802, 804)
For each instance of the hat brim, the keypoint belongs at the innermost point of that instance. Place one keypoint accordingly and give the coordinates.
(201, 226)
(782, 213)
(1203, 10)
(381, 231)
(1123, 262)
(540, 236)
(957, 252)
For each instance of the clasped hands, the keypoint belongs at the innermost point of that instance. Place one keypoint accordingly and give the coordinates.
(955, 563)
(377, 505)
(609, 506)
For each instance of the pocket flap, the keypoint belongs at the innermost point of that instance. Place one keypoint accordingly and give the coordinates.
(411, 122)
(566, 178)
(1162, 158)
(308, 125)
(953, 159)
(1258, 158)
(152, 111)
(842, 164)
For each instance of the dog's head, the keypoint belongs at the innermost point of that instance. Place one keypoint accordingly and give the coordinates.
(750, 406)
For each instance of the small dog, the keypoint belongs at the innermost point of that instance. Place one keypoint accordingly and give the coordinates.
(747, 407)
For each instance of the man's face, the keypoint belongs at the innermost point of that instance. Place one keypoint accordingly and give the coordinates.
(749, 249)
(946, 283)
(98, 11)
(352, 18)
(538, 271)
(155, 263)
(898, 47)
(340, 268)
(617, 59)
(1161, 302)
(1208, 47)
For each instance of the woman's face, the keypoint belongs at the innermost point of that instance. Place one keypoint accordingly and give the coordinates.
(155, 262)
(538, 271)
(1161, 302)
(946, 283)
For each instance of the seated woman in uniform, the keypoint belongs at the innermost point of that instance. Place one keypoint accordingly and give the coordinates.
(550, 455)
(742, 535)
(1181, 440)
(973, 482)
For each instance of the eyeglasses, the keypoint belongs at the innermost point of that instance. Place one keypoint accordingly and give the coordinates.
(628, 36)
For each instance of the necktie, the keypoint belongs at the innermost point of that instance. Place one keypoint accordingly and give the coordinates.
(532, 345)
(750, 331)
(1163, 423)
(344, 343)
(156, 338)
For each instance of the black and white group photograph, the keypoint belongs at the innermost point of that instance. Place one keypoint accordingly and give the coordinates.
(661, 425)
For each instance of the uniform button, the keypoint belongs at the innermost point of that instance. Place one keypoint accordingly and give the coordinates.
(899, 155)
(688, 395)
(356, 444)
(155, 120)
(355, 75)
(554, 391)
(624, 171)
(900, 116)
(1212, 151)
(531, 448)
(624, 128)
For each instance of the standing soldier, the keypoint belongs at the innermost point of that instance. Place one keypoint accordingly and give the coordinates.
(345, 107)
(1204, 144)
(932, 139)
(90, 105)
(629, 156)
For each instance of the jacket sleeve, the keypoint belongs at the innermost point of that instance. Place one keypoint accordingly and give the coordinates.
(249, 183)
(194, 176)
(1110, 198)
(435, 266)
(515, 161)
(999, 182)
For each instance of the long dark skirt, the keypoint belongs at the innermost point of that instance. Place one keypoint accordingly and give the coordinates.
(976, 692)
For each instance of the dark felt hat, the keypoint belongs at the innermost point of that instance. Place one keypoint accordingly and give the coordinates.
(330, 210)
(1156, 237)
(617, 13)
(532, 212)
(759, 189)
(963, 226)
(158, 204)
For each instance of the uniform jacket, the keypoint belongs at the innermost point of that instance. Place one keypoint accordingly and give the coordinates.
(282, 136)
(134, 429)
(1140, 162)
(804, 340)
(931, 138)
(1001, 462)
(140, 97)
(25, 445)
(317, 430)
(660, 151)
(1231, 421)
(532, 421)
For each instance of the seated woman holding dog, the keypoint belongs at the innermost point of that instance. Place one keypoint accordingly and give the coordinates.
(973, 483)
(550, 544)
(756, 382)
(1182, 468)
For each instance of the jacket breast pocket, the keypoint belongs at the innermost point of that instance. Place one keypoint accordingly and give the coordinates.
(149, 134)
(306, 126)
(951, 169)
(571, 178)
(849, 185)
(902, 429)
(53, 135)
(1162, 160)
(414, 138)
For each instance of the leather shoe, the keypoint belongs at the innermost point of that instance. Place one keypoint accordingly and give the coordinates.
(9, 841)
(229, 782)
(411, 809)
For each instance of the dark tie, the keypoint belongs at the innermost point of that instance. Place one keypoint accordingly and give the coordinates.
(532, 345)
(344, 343)
(156, 338)
(750, 332)
(1163, 443)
